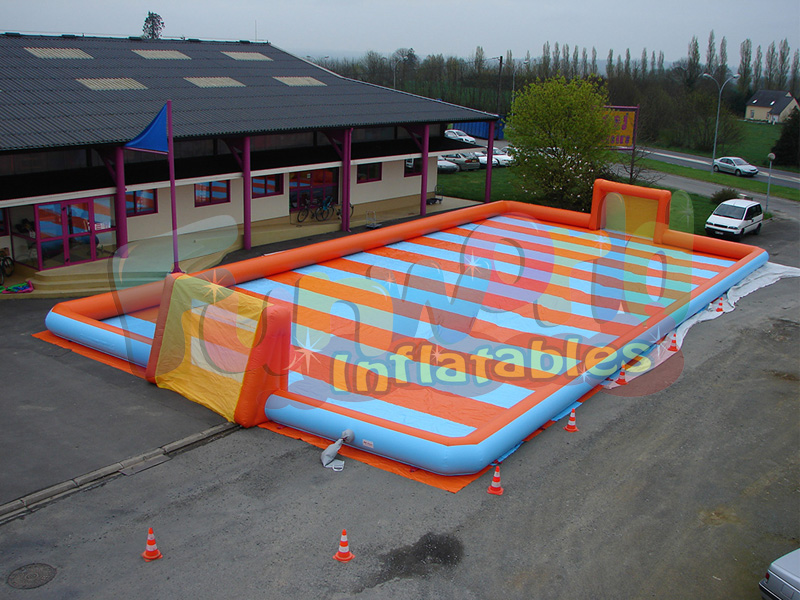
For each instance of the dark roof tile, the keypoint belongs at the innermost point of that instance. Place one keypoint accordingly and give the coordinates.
(46, 107)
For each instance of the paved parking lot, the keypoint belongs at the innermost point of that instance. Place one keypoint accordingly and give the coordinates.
(687, 492)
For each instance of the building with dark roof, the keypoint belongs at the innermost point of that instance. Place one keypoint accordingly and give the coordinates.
(772, 106)
(259, 134)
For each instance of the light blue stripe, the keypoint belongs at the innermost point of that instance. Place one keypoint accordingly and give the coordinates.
(310, 387)
(610, 239)
(420, 297)
(498, 288)
(590, 265)
(132, 324)
(613, 254)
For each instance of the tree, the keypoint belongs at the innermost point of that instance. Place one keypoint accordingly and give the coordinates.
(711, 55)
(610, 64)
(153, 26)
(479, 60)
(556, 62)
(593, 66)
(787, 148)
(722, 64)
(745, 67)
(584, 63)
(560, 132)
(783, 65)
(757, 70)
(794, 80)
(627, 62)
(693, 68)
(544, 66)
(644, 63)
(771, 67)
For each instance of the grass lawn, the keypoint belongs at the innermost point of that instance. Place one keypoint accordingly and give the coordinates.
(757, 185)
(756, 143)
(471, 185)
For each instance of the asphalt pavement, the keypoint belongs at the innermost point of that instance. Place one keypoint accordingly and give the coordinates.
(689, 491)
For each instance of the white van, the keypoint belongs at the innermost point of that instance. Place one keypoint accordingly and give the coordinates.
(735, 218)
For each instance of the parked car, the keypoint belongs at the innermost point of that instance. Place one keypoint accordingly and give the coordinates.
(445, 166)
(735, 165)
(466, 161)
(457, 134)
(500, 158)
(735, 218)
(782, 579)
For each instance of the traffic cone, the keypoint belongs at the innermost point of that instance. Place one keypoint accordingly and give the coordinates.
(151, 551)
(495, 488)
(719, 305)
(570, 426)
(621, 379)
(344, 554)
(673, 344)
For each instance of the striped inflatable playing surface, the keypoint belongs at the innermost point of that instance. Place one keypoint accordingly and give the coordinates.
(441, 342)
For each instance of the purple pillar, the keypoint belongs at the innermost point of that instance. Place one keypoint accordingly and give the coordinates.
(248, 193)
(347, 156)
(489, 160)
(120, 209)
(423, 200)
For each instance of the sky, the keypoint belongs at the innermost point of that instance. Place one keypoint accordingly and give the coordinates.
(339, 28)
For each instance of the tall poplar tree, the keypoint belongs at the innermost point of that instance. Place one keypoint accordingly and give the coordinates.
(745, 81)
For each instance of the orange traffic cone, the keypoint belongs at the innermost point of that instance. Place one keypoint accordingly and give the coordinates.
(673, 343)
(151, 551)
(570, 426)
(621, 379)
(344, 554)
(719, 305)
(495, 488)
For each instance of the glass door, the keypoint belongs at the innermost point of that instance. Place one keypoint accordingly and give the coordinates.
(75, 232)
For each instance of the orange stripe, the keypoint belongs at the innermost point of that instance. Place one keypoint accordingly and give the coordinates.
(687, 262)
(527, 309)
(536, 247)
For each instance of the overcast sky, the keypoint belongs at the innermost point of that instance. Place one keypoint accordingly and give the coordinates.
(352, 27)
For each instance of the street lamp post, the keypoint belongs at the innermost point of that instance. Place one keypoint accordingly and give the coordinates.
(719, 103)
(770, 157)
(394, 77)
(499, 80)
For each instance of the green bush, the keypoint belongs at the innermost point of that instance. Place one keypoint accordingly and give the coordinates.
(724, 194)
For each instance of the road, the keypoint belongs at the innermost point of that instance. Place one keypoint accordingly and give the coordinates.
(779, 177)
(689, 491)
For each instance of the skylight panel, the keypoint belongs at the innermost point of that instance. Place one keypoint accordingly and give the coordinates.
(58, 53)
(115, 83)
(214, 82)
(299, 81)
(162, 54)
(247, 55)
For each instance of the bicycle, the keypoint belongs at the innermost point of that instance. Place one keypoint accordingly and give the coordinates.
(324, 211)
(303, 213)
(339, 211)
(6, 265)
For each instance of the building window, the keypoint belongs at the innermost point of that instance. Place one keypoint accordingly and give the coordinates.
(142, 202)
(212, 192)
(413, 166)
(369, 172)
(752, 113)
(268, 185)
(313, 188)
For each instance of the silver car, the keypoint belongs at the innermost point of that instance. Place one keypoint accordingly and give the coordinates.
(466, 161)
(782, 579)
(735, 166)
